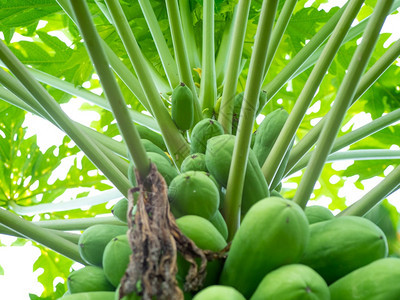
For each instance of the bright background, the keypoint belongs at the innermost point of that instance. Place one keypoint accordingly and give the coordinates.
(17, 278)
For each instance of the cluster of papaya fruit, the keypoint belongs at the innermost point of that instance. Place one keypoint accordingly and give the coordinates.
(280, 250)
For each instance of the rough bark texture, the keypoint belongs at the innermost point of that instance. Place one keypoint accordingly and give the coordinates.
(155, 238)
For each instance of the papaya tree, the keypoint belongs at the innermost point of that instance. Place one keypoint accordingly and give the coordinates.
(225, 103)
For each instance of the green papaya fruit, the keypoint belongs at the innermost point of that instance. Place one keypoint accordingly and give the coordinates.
(116, 258)
(202, 132)
(318, 213)
(194, 162)
(206, 237)
(292, 282)
(120, 210)
(152, 136)
(274, 193)
(237, 106)
(218, 221)
(341, 245)
(90, 296)
(164, 166)
(94, 239)
(132, 296)
(378, 280)
(193, 193)
(268, 132)
(88, 279)
(273, 233)
(219, 292)
(202, 232)
(182, 107)
(150, 147)
(218, 161)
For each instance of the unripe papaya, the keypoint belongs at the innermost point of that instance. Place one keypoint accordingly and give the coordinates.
(378, 280)
(219, 222)
(150, 147)
(164, 166)
(94, 239)
(274, 193)
(132, 296)
(341, 245)
(182, 107)
(274, 232)
(120, 210)
(219, 292)
(193, 193)
(317, 213)
(218, 161)
(206, 237)
(194, 162)
(152, 136)
(202, 132)
(292, 282)
(90, 296)
(268, 132)
(116, 258)
(88, 279)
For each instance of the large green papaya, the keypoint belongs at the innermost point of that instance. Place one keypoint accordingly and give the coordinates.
(219, 292)
(95, 238)
(218, 161)
(193, 193)
(116, 258)
(182, 107)
(378, 280)
(341, 245)
(202, 132)
(88, 279)
(318, 213)
(273, 233)
(164, 166)
(206, 237)
(90, 296)
(292, 282)
(194, 162)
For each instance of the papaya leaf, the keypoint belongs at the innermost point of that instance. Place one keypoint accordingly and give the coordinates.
(53, 265)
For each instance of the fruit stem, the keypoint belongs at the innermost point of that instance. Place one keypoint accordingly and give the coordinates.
(232, 203)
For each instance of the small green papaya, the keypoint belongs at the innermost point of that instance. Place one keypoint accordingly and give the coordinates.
(206, 237)
(292, 282)
(94, 239)
(120, 210)
(182, 107)
(90, 296)
(193, 193)
(274, 193)
(150, 147)
(116, 258)
(202, 132)
(318, 213)
(88, 279)
(218, 161)
(378, 280)
(274, 232)
(194, 162)
(219, 292)
(152, 136)
(268, 132)
(341, 245)
(219, 222)
(164, 166)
